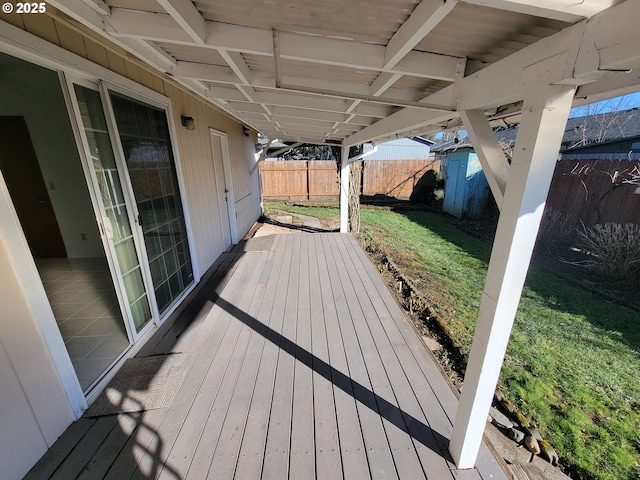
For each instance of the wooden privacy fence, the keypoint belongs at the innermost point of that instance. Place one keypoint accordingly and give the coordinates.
(596, 191)
(300, 180)
(318, 179)
(394, 178)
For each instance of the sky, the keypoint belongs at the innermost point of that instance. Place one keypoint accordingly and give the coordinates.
(624, 102)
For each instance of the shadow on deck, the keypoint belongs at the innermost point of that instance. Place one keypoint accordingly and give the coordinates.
(302, 366)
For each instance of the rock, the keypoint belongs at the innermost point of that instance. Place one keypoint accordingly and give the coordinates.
(516, 435)
(498, 395)
(522, 420)
(508, 406)
(532, 444)
(533, 431)
(548, 453)
(499, 419)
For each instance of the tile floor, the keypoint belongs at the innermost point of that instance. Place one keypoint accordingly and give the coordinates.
(85, 305)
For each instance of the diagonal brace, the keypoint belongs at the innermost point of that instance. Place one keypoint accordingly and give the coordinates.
(492, 158)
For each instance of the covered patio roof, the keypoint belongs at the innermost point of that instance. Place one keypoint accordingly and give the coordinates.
(357, 71)
(350, 72)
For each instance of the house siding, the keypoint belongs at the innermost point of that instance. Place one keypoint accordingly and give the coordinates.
(35, 403)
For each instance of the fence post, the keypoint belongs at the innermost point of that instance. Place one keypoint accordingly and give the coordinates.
(308, 180)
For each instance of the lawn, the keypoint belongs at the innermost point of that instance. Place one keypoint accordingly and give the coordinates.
(573, 361)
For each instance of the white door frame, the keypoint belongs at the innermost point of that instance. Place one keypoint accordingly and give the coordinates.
(228, 181)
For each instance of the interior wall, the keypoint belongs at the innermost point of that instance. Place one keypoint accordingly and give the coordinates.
(34, 409)
(34, 92)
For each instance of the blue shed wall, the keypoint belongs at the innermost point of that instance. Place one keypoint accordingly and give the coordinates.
(466, 189)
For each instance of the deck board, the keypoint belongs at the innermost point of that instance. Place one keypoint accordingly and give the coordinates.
(302, 366)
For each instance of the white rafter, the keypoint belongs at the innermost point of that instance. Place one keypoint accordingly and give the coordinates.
(424, 18)
(187, 16)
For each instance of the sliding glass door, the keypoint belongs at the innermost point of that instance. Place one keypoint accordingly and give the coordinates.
(132, 166)
(116, 216)
(148, 153)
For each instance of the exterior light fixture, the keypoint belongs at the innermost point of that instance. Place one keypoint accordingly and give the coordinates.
(187, 122)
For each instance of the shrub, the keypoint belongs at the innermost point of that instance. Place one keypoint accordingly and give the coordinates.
(425, 189)
(555, 227)
(614, 249)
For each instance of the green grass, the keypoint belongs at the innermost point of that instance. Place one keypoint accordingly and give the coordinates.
(573, 362)
(311, 211)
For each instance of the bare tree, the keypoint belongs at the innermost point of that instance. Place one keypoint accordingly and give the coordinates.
(603, 120)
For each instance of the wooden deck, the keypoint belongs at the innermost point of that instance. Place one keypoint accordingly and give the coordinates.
(303, 366)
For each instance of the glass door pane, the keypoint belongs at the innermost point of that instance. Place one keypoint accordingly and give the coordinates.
(145, 140)
(117, 221)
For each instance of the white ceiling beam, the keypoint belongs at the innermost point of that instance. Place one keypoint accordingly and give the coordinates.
(159, 27)
(492, 158)
(384, 81)
(350, 54)
(223, 93)
(300, 101)
(187, 16)
(565, 10)
(293, 46)
(282, 119)
(612, 86)
(345, 90)
(310, 114)
(286, 149)
(246, 107)
(99, 6)
(424, 18)
(577, 48)
(205, 72)
(371, 110)
(238, 65)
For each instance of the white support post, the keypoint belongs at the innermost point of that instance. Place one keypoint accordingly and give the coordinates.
(492, 158)
(545, 113)
(344, 190)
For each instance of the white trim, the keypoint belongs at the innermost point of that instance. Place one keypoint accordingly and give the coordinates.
(228, 180)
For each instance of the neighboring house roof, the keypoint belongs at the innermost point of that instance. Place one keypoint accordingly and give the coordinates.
(415, 148)
(444, 147)
(588, 130)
